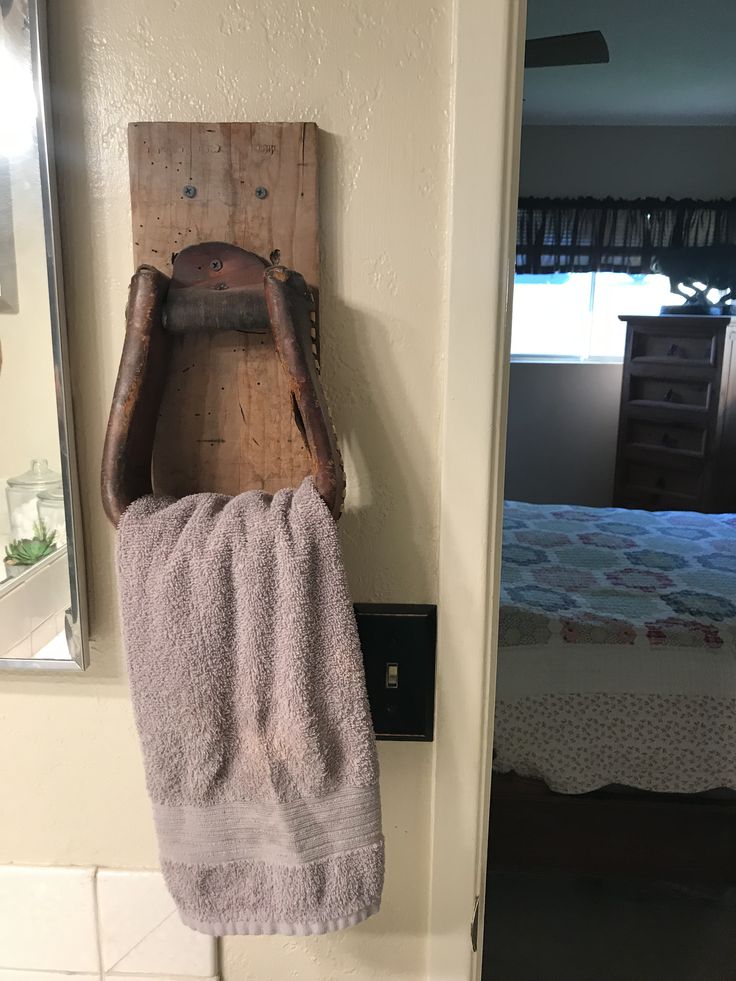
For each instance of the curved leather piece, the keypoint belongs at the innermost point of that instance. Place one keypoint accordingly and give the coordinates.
(290, 307)
(207, 277)
(126, 458)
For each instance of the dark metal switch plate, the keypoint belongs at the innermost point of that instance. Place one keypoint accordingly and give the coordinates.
(399, 642)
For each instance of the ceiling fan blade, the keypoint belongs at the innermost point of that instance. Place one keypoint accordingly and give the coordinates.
(587, 48)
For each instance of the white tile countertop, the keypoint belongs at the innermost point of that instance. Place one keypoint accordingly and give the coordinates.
(89, 924)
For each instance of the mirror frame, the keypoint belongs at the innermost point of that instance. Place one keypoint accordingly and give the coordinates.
(76, 617)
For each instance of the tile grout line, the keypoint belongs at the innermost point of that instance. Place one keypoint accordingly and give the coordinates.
(98, 925)
(138, 942)
(56, 970)
(121, 975)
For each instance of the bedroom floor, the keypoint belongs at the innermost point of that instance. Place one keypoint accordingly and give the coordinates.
(557, 927)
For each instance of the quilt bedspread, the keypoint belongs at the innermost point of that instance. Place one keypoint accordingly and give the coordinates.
(617, 649)
(609, 576)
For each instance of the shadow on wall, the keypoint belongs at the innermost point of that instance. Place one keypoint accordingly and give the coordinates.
(390, 496)
(386, 484)
(562, 430)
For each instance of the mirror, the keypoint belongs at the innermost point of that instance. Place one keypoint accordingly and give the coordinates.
(42, 608)
(612, 853)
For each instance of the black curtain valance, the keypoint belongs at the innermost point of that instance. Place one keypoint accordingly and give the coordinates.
(640, 236)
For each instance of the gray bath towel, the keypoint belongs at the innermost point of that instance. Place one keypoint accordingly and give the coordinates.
(249, 696)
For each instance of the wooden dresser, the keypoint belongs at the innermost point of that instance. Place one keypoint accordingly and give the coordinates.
(677, 424)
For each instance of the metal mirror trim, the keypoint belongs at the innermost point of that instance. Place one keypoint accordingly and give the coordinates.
(76, 615)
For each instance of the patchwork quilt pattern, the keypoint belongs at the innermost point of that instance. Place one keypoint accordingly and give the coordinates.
(612, 576)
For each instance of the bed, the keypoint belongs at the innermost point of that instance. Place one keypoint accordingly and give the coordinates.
(616, 690)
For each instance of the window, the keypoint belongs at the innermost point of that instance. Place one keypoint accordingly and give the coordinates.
(574, 316)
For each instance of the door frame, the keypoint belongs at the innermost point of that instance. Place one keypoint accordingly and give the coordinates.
(488, 39)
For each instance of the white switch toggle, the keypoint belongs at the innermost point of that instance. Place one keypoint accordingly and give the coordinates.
(392, 675)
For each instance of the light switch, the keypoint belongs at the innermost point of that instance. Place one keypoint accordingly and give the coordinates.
(398, 642)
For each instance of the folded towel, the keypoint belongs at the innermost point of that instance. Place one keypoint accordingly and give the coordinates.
(249, 695)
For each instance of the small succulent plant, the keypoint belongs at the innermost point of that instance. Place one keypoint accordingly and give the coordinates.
(28, 551)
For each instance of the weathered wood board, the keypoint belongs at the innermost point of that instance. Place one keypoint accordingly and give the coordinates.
(226, 421)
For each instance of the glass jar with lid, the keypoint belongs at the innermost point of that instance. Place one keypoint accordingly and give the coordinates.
(51, 512)
(22, 495)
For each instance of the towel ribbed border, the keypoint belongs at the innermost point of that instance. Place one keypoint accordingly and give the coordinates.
(292, 833)
(253, 928)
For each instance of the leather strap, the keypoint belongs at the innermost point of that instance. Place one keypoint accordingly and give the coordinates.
(214, 286)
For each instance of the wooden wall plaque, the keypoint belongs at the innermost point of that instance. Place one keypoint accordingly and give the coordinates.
(226, 422)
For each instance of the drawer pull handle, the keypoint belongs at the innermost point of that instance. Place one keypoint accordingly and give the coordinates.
(670, 395)
(670, 441)
(675, 350)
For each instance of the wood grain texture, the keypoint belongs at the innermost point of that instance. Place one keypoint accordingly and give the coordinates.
(226, 421)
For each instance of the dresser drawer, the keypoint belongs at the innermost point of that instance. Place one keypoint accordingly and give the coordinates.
(653, 478)
(670, 392)
(674, 437)
(635, 498)
(696, 347)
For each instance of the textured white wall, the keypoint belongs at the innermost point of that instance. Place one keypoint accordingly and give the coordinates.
(375, 76)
